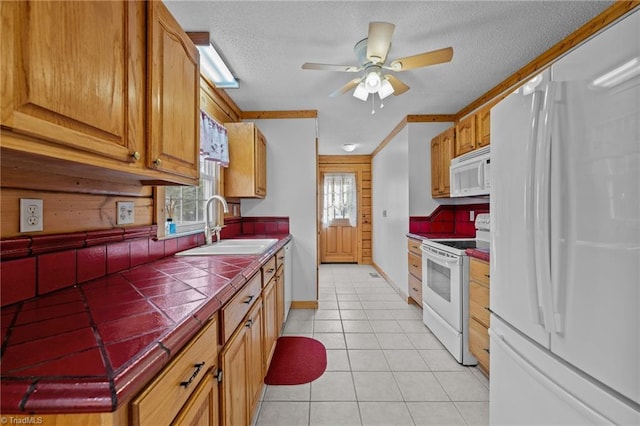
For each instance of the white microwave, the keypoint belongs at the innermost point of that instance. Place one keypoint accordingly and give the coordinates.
(470, 173)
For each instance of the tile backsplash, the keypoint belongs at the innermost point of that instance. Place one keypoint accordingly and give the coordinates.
(448, 220)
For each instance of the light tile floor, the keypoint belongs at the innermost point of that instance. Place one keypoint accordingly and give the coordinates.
(384, 367)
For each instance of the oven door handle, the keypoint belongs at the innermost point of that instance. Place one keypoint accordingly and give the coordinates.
(441, 260)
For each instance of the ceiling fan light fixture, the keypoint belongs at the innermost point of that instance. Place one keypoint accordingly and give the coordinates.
(361, 92)
(386, 89)
(372, 81)
(348, 147)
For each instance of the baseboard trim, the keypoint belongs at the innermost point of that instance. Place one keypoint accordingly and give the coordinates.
(391, 283)
(304, 304)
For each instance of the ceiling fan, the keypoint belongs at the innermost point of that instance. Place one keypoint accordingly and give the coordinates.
(372, 56)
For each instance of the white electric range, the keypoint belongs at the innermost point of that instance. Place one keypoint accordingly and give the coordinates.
(445, 288)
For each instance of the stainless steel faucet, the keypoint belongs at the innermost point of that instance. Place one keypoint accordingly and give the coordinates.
(208, 230)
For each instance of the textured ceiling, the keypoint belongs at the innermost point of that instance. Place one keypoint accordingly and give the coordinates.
(266, 42)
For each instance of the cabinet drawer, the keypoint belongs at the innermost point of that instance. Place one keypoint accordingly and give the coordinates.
(479, 271)
(280, 258)
(415, 265)
(415, 289)
(164, 397)
(268, 271)
(237, 308)
(479, 303)
(479, 343)
(414, 246)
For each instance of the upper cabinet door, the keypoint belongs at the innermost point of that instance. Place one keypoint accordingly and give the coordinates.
(246, 176)
(174, 81)
(73, 75)
(465, 136)
(483, 130)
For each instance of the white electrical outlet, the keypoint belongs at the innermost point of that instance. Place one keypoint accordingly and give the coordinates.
(31, 215)
(124, 210)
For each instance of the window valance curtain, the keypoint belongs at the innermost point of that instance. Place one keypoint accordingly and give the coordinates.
(340, 201)
(214, 141)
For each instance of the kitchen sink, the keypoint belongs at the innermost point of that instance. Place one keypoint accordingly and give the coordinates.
(240, 246)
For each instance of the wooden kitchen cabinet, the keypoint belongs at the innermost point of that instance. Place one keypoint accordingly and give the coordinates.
(473, 132)
(483, 127)
(246, 176)
(479, 312)
(415, 270)
(465, 136)
(280, 290)
(273, 304)
(80, 79)
(441, 155)
(174, 98)
(270, 316)
(243, 372)
(202, 407)
(176, 390)
(63, 83)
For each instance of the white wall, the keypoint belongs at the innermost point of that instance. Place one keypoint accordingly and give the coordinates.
(420, 135)
(402, 186)
(390, 181)
(291, 191)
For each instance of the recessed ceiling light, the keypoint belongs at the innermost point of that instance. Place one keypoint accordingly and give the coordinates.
(349, 147)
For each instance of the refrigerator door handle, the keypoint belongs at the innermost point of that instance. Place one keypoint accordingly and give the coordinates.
(557, 286)
(545, 380)
(536, 310)
(542, 225)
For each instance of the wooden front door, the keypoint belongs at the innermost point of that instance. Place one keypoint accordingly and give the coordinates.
(338, 234)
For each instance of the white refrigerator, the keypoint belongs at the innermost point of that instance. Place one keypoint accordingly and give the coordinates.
(565, 253)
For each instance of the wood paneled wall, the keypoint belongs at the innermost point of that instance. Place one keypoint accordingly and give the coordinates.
(360, 164)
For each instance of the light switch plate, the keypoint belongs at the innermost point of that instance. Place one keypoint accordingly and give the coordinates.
(31, 215)
(125, 212)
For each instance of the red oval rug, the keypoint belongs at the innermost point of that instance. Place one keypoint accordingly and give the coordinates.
(296, 360)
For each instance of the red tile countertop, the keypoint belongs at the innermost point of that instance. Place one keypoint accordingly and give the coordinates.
(93, 346)
(482, 254)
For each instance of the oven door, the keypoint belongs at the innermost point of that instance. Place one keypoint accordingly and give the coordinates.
(441, 286)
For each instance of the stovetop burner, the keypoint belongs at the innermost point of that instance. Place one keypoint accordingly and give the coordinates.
(458, 244)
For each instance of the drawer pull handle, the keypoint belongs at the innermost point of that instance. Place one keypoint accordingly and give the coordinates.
(415, 289)
(249, 323)
(197, 367)
(270, 270)
(414, 265)
(487, 275)
(486, 350)
(487, 308)
(249, 299)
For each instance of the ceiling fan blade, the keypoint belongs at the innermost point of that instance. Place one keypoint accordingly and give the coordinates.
(422, 60)
(398, 86)
(344, 89)
(329, 67)
(379, 41)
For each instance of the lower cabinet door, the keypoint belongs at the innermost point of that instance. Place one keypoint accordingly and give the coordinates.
(202, 407)
(280, 300)
(235, 394)
(270, 317)
(242, 370)
(254, 353)
(479, 343)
